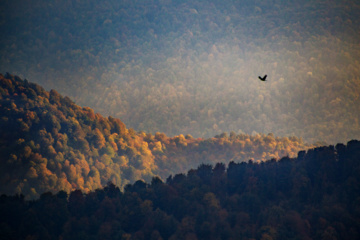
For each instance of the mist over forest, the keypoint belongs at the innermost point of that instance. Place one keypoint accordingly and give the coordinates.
(191, 67)
(48, 143)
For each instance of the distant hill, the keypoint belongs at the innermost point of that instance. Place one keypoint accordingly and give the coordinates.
(191, 66)
(313, 196)
(48, 143)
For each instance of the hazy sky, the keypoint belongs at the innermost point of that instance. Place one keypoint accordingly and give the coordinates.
(192, 67)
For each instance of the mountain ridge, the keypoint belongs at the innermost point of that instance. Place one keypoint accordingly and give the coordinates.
(48, 143)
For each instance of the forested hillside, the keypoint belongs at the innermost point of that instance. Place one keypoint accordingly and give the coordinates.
(48, 143)
(182, 67)
(313, 196)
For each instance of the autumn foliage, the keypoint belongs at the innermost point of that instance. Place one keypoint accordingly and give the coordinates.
(48, 143)
(313, 196)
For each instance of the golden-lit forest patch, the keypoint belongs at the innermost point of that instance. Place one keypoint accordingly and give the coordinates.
(48, 143)
(312, 196)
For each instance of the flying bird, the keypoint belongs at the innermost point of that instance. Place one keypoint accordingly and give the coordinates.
(263, 78)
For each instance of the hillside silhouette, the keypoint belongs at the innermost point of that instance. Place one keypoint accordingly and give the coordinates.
(313, 196)
(181, 67)
(48, 143)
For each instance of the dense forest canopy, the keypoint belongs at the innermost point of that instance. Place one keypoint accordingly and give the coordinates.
(48, 143)
(313, 196)
(182, 67)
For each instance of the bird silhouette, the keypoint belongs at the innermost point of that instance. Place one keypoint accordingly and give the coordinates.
(263, 78)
